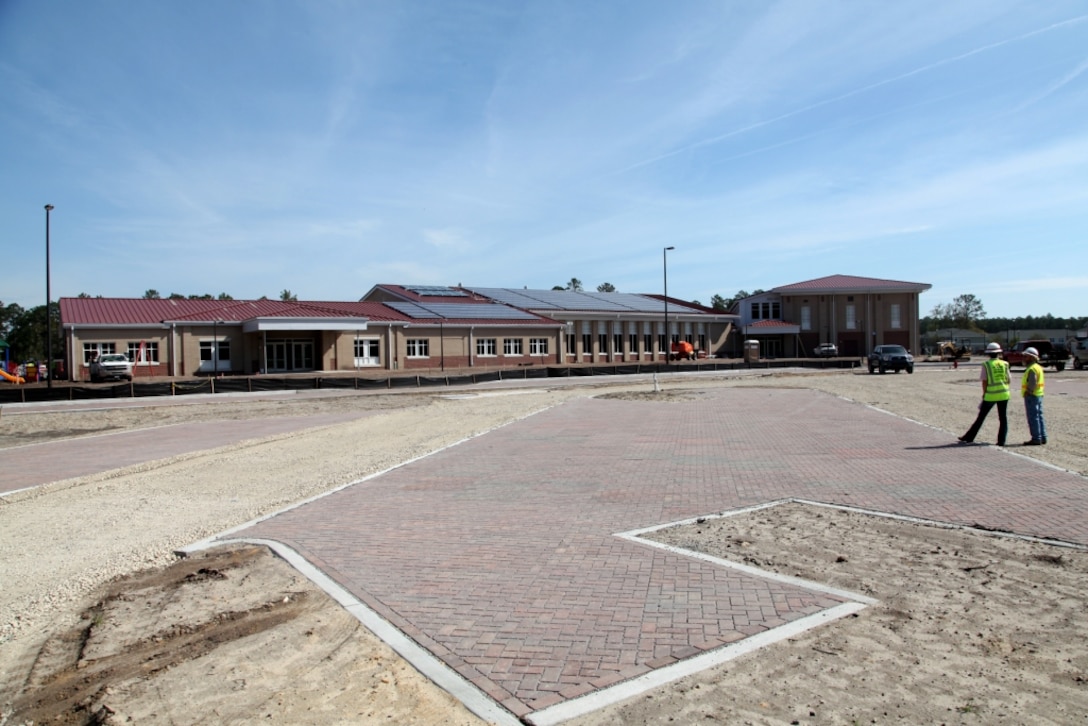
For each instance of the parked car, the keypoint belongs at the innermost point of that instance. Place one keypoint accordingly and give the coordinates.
(826, 350)
(890, 358)
(111, 365)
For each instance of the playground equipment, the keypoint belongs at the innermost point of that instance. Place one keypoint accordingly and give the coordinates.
(8, 377)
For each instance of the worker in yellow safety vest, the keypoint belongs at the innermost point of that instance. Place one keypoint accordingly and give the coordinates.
(995, 392)
(1031, 388)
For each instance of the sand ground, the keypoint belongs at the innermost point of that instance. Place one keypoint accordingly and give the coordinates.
(101, 623)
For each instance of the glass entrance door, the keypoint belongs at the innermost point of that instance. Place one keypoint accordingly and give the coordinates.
(284, 356)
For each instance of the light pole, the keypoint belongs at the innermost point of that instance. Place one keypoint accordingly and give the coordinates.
(48, 316)
(665, 270)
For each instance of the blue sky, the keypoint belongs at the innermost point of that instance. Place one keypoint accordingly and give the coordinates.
(249, 147)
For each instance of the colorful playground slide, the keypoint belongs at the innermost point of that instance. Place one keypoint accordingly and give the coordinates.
(8, 377)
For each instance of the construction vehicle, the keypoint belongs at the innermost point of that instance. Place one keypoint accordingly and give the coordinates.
(949, 351)
(682, 350)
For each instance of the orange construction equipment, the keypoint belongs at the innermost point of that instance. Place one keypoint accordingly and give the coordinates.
(682, 349)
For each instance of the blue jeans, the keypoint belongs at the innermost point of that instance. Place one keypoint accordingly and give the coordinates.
(1033, 405)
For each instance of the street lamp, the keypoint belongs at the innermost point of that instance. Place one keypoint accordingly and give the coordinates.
(665, 270)
(48, 316)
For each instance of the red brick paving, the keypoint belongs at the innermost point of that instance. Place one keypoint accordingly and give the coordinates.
(498, 555)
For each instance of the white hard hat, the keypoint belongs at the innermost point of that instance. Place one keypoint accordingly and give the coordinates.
(1032, 352)
(993, 347)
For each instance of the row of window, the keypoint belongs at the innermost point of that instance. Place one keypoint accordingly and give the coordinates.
(137, 351)
(698, 341)
(421, 347)
(895, 313)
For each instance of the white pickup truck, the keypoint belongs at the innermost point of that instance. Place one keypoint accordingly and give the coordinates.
(111, 365)
(1079, 349)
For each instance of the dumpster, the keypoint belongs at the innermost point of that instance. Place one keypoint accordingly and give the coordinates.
(751, 351)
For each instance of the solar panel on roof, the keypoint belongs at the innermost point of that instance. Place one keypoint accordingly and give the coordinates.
(480, 311)
(520, 298)
(412, 310)
(435, 291)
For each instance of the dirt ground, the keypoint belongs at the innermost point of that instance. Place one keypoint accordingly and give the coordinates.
(969, 628)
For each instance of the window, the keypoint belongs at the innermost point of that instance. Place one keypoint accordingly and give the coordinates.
(367, 352)
(806, 317)
(538, 346)
(851, 318)
(897, 320)
(207, 346)
(419, 348)
(602, 344)
(617, 343)
(366, 348)
(766, 310)
(632, 342)
(486, 346)
(150, 353)
(647, 343)
(572, 344)
(93, 350)
(587, 344)
(512, 346)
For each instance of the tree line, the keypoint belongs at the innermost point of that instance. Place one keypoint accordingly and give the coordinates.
(968, 313)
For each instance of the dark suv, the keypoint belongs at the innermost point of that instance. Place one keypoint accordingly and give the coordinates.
(890, 358)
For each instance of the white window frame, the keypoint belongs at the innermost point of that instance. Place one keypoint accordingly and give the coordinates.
(368, 352)
(538, 346)
(487, 347)
(851, 317)
(417, 348)
(896, 316)
(97, 349)
(512, 346)
(150, 354)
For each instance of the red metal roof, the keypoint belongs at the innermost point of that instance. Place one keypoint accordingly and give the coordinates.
(143, 311)
(851, 283)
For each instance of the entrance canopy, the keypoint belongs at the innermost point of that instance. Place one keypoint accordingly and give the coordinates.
(257, 325)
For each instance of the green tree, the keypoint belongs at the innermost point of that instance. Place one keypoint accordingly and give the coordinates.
(224, 296)
(966, 309)
(27, 333)
(719, 303)
(152, 294)
(9, 315)
(288, 296)
(575, 284)
(606, 287)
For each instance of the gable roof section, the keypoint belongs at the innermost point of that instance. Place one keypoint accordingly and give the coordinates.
(851, 283)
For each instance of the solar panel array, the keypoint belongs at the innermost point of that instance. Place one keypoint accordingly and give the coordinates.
(413, 310)
(435, 291)
(544, 300)
(460, 311)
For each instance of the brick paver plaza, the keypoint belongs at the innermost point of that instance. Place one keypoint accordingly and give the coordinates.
(500, 555)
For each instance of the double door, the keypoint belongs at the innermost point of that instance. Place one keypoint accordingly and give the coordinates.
(282, 356)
